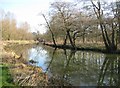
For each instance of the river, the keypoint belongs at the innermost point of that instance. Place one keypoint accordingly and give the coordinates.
(78, 68)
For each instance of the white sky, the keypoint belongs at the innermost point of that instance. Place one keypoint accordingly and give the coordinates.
(27, 10)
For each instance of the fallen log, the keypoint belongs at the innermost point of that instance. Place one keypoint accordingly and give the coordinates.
(60, 46)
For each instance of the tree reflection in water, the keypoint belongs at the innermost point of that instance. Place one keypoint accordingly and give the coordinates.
(110, 71)
(83, 69)
(60, 80)
(77, 68)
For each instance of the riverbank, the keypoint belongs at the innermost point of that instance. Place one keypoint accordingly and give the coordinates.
(99, 48)
(21, 71)
(17, 42)
(25, 73)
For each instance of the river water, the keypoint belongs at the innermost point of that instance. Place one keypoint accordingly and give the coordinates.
(78, 68)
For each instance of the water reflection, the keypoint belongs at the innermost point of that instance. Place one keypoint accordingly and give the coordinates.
(76, 68)
(39, 55)
(51, 60)
(110, 71)
(84, 68)
(71, 68)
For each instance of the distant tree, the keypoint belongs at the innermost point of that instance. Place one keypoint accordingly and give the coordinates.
(24, 27)
(7, 27)
(10, 31)
(63, 13)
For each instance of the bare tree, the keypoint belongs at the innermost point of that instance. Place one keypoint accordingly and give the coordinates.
(52, 34)
(63, 9)
(110, 43)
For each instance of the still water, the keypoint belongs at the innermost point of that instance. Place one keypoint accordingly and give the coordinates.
(78, 68)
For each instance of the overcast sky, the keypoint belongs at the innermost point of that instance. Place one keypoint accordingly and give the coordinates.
(27, 10)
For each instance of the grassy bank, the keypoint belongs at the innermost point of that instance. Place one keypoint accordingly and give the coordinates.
(5, 76)
(18, 42)
(19, 71)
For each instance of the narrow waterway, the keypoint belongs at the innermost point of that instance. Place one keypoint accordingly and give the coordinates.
(77, 68)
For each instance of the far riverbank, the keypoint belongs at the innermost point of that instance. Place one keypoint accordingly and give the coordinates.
(6, 42)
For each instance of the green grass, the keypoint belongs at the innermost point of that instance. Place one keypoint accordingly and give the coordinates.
(5, 76)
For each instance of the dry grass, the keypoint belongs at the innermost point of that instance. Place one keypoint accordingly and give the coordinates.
(19, 42)
(23, 74)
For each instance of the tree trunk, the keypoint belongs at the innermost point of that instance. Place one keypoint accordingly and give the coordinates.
(52, 34)
(65, 41)
(83, 38)
(71, 41)
(109, 44)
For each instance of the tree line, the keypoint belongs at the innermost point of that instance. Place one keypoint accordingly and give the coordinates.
(95, 21)
(11, 31)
